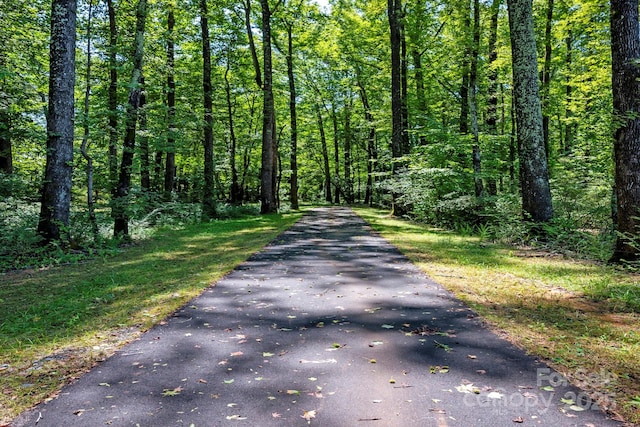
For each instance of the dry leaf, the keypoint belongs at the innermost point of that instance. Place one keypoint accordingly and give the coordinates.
(308, 415)
(518, 420)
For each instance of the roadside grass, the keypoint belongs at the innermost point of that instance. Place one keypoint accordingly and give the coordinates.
(56, 323)
(583, 318)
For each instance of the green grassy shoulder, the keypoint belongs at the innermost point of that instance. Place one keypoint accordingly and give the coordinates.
(56, 323)
(581, 317)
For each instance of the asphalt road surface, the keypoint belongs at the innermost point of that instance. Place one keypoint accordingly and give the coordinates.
(327, 326)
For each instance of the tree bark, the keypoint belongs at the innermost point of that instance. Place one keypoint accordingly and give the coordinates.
(336, 154)
(625, 53)
(113, 99)
(473, 101)
(56, 192)
(348, 179)
(534, 175)
(492, 73)
(170, 159)
(269, 152)
(235, 196)
(546, 77)
(145, 161)
(121, 218)
(84, 147)
(208, 194)
(293, 193)
(372, 155)
(6, 147)
(325, 157)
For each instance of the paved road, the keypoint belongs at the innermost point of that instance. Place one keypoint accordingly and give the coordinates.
(327, 326)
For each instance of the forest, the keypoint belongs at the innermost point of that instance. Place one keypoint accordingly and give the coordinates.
(516, 121)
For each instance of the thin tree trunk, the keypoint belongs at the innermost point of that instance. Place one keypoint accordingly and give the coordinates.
(113, 99)
(625, 52)
(406, 146)
(56, 192)
(157, 171)
(208, 194)
(492, 98)
(336, 154)
(170, 165)
(325, 157)
(121, 218)
(84, 147)
(145, 162)
(546, 77)
(466, 63)
(348, 179)
(568, 114)
(492, 73)
(473, 102)
(6, 148)
(534, 175)
(372, 155)
(294, 120)
(252, 45)
(235, 195)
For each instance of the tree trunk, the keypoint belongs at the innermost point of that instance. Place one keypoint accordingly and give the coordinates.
(569, 128)
(398, 131)
(372, 155)
(394, 12)
(625, 53)
(492, 73)
(348, 179)
(113, 99)
(121, 219)
(404, 75)
(534, 175)
(84, 147)
(252, 45)
(170, 160)
(336, 154)
(466, 63)
(56, 192)
(492, 97)
(145, 162)
(235, 196)
(325, 157)
(473, 102)
(294, 121)
(546, 77)
(268, 173)
(6, 149)
(208, 194)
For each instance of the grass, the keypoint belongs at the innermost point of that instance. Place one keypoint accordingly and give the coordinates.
(57, 323)
(581, 317)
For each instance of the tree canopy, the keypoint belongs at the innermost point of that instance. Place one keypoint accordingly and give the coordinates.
(419, 105)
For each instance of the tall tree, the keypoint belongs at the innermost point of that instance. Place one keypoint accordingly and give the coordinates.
(293, 112)
(269, 150)
(208, 195)
(56, 192)
(625, 54)
(473, 100)
(170, 159)
(325, 156)
(546, 76)
(113, 98)
(84, 147)
(121, 217)
(534, 174)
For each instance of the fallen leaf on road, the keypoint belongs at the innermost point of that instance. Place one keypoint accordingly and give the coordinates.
(308, 415)
(518, 420)
(387, 326)
(167, 392)
(276, 415)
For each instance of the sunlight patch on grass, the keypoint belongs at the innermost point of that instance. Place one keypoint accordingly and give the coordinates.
(580, 316)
